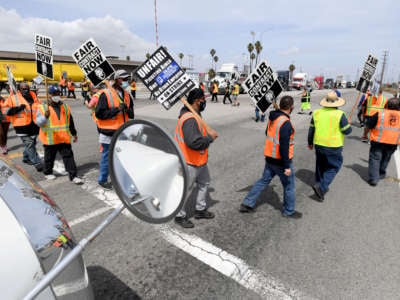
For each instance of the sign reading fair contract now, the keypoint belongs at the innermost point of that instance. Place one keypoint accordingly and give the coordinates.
(92, 62)
(263, 86)
(368, 72)
(164, 78)
(44, 55)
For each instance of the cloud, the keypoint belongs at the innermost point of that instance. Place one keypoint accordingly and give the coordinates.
(113, 35)
(290, 51)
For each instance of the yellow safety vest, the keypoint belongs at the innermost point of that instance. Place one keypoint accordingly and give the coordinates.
(327, 127)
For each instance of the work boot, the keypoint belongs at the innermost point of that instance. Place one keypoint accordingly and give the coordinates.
(106, 185)
(39, 167)
(246, 209)
(203, 214)
(318, 192)
(295, 215)
(184, 222)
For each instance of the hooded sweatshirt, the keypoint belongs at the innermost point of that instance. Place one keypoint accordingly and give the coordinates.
(284, 137)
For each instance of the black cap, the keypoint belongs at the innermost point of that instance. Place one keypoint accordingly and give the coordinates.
(195, 94)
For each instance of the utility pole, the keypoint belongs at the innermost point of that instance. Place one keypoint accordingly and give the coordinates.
(385, 54)
(155, 21)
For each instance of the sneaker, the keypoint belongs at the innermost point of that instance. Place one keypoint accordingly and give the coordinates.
(364, 139)
(28, 162)
(77, 180)
(372, 183)
(257, 119)
(246, 209)
(318, 192)
(295, 215)
(62, 173)
(184, 222)
(50, 177)
(39, 167)
(106, 185)
(310, 113)
(203, 214)
(3, 150)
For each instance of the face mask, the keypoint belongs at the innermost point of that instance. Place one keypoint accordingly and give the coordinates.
(25, 93)
(124, 84)
(202, 105)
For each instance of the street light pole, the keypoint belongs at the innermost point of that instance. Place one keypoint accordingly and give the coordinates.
(155, 21)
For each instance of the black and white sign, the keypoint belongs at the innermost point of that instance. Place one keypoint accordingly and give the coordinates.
(164, 78)
(93, 62)
(367, 73)
(263, 86)
(44, 55)
(11, 81)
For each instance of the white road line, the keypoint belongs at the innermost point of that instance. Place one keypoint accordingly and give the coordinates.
(218, 259)
(89, 216)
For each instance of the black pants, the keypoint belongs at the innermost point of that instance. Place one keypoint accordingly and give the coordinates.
(71, 92)
(227, 96)
(133, 93)
(214, 96)
(65, 150)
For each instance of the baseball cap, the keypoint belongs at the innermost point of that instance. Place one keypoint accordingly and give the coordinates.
(120, 74)
(54, 90)
(195, 94)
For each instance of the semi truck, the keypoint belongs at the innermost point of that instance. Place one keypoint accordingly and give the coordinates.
(299, 80)
(227, 73)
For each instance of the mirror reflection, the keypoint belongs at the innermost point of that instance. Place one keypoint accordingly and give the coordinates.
(148, 171)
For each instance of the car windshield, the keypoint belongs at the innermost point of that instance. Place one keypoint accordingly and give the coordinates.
(223, 74)
(297, 79)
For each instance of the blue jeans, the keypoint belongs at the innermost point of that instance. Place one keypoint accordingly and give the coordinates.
(379, 157)
(328, 163)
(258, 115)
(103, 176)
(30, 154)
(289, 197)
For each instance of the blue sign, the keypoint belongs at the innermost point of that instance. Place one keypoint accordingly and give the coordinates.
(167, 73)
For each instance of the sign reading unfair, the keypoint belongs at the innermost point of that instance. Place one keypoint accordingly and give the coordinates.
(93, 62)
(368, 72)
(164, 78)
(44, 55)
(263, 86)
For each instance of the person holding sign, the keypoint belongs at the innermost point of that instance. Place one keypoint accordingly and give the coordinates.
(114, 108)
(278, 152)
(56, 128)
(193, 140)
(385, 137)
(327, 129)
(4, 125)
(373, 105)
(21, 109)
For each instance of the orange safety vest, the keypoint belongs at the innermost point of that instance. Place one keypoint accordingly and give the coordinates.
(271, 148)
(387, 129)
(215, 88)
(56, 131)
(133, 86)
(71, 86)
(375, 105)
(202, 87)
(3, 112)
(26, 116)
(192, 157)
(62, 81)
(113, 100)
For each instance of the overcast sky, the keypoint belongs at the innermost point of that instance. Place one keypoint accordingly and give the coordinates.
(318, 37)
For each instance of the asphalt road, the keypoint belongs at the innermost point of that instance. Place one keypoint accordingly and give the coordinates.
(343, 248)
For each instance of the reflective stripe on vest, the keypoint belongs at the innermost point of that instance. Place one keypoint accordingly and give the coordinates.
(306, 97)
(113, 101)
(215, 89)
(327, 127)
(192, 157)
(387, 129)
(56, 130)
(375, 106)
(271, 148)
(235, 89)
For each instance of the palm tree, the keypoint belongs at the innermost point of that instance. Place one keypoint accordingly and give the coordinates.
(252, 57)
(211, 73)
(212, 53)
(216, 60)
(250, 48)
(147, 55)
(259, 48)
(291, 69)
(180, 55)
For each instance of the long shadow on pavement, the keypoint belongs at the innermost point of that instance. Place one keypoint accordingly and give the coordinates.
(360, 170)
(190, 204)
(306, 176)
(267, 196)
(107, 286)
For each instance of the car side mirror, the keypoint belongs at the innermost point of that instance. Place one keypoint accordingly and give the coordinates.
(148, 171)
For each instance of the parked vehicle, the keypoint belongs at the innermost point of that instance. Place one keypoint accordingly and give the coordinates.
(227, 73)
(299, 80)
(329, 83)
(39, 257)
(283, 77)
(319, 82)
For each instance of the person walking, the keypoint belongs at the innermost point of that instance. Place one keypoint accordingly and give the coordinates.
(214, 92)
(235, 94)
(385, 137)
(227, 94)
(71, 88)
(56, 128)
(194, 141)
(4, 125)
(278, 152)
(326, 134)
(133, 88)
(21, 109)
(85, 85)
(63, 85)
(257, 111)
(305, 102)
(374, 104)
(114, 108)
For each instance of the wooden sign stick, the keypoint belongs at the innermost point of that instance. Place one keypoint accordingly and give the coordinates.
(354, 107)
(196, 115)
